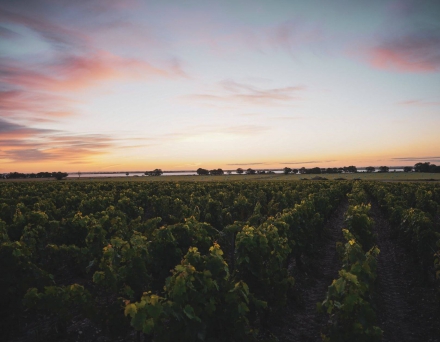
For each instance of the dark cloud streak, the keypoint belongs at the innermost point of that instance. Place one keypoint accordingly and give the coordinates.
(417, 159)
(59, 37)
(20, 143)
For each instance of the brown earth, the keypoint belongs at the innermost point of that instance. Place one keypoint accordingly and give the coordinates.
(301, 321)
(406, 306)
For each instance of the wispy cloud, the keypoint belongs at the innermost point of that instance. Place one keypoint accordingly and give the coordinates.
(59, 37)
(233, 92)
(10, 130)
(309, 162)
(250, 114)
(291, 36)
(206, 131)
(109, 166)
(7, 33)
(418, 102)
(295, 34)
(287, 118)
(35, 106)
(73, 73)
(247, 164)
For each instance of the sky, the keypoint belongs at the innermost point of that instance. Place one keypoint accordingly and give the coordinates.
(106, 85)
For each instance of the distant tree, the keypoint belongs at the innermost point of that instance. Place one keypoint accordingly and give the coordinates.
(155, 172)
(422, 167)
(340, 169)
(384, 169)
(315, 171)
(202, 172)
(433, 168)
(352, 169)
(287, 170)
(127, 174)
(407, 169)
(349, 169)
(295, 171)
(331, 170)
(426, 167)
(229, 172)
(250, 171)
(302, 170)
(16, 175)
(370, 169)
(239, 171)
(261, 172)
(217, 172)
(44, 174)
(60, 175)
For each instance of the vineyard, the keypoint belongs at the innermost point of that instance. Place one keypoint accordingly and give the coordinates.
(220, 261)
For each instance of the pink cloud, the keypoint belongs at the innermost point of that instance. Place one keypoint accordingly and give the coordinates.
(23, 143)
(416, 53)
(75, 73)
(34, 105)
(385, 58)
(31, 87)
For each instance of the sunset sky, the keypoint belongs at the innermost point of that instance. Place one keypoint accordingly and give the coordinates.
(137, 85)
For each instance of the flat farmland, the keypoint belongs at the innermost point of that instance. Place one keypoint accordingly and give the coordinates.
(262, 258)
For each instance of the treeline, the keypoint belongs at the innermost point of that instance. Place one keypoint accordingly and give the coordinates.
(219, 172)
(426, 167)
(419, 167)
(318, 170)
(18, 175)
(155, 172)
(286, 170)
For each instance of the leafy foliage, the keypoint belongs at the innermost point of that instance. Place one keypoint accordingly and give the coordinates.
(201, 302)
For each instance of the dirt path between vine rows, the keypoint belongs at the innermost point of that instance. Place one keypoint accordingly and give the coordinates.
(406, 307)
(301, 321)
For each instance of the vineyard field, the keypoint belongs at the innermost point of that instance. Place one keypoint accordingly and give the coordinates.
(224, 258)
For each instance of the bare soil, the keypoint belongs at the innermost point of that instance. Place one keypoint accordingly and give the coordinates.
(406, 307)
(301, 321)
